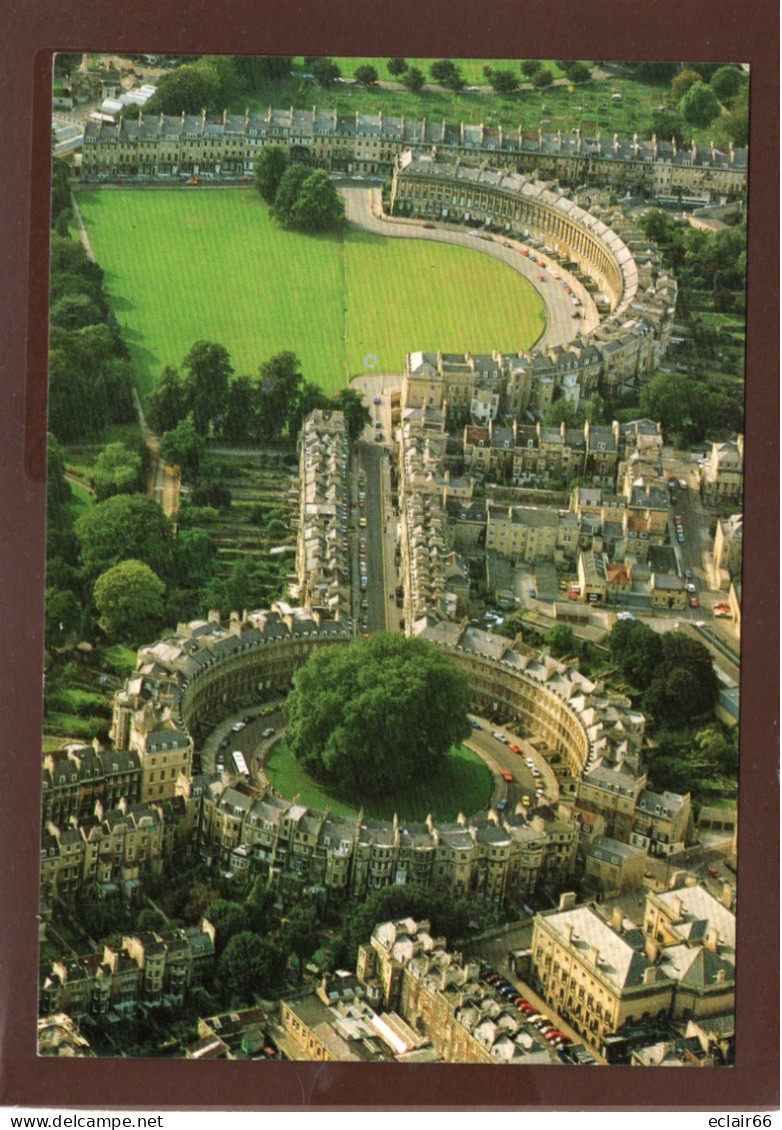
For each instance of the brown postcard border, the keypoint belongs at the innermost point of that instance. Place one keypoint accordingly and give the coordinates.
(619, 29)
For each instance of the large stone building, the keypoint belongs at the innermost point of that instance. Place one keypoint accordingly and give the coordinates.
(605, 975)
(167, 146)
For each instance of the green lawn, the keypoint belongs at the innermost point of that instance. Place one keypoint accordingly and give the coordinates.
(463, 786)
(211, 264)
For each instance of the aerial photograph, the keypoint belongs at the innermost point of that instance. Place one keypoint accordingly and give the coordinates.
(394, 552)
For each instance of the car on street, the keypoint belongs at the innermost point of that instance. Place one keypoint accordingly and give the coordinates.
(375, 399)
(267, 733)
(507, 775)
(514, 748)
(237, 726)
(500, 737)
(525, 800)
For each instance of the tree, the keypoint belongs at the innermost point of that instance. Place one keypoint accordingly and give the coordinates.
(194, 558)
(682, 83)
(183, 447)
(561, 412)
(502, 82)
(356, 413)
(269, 167)
(595, 411)
(189, 89)
(734, 127)
(249, 965)
(326, 71)
(370, 718)
(699, 106)
(366, 75)
(446, 73)
(637, 650)
(726, 83)
(561, 640)
(677, 402)
(287, 193)
(241, 413)
(63, 615)
(667, 125)
(129, 598)
(207, 373)
(58, 490)
(530, 67)
(579, 72)
(397, 67)
(542, 78)
(75, 311)
(123, 527)
(167, 402)
(318, 206)
(117, 471)
(228, 919)
(311, 396)
(414, 80)
(300, 934)
(281, 383)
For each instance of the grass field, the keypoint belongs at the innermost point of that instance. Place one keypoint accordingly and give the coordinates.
(189, 265)
(463, 786)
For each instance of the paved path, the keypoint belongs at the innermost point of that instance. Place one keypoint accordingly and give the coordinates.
(364, 211)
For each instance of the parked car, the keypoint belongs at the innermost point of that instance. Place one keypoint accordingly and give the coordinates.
(507, 775)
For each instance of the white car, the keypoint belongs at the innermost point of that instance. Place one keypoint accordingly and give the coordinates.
(500, 737)
(238, 726)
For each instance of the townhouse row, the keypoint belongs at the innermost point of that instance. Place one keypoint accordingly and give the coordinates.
(163, 146)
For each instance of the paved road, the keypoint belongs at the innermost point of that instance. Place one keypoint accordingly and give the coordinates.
(483, 742)
(362, 209)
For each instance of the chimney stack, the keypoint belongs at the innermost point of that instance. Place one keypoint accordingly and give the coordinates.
(567, 900)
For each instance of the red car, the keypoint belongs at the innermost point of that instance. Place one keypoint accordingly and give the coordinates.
(694, 602)
(514, 748)
(507, 775)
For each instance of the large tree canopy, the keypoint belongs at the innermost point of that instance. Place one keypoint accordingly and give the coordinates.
(129, 598)
(370, 718)
(269, 165)
(208, 370)
(118, 470)
(699, 106)
(637, 650)
(123, 527)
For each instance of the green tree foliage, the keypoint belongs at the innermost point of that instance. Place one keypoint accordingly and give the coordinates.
(208, 370)
(681, 83)
(543, 78)
(325, 70)
(530, 67)
(318, 206)
(183, 447)
(90, 380)
(167, 402)
(677, 402)
(668, 125)
(129, 599)
(637, 651)
(228, 919)
(449, 917)
(310, 397)
(242, 409)
(63, 615)
(397, 66)
(118, 470)
(414, 80)
(366, 74)
(595, 411)
(726, 83)
(287, 192)
(123, 527)
(256, 71)
(190, 89)
(307, 201)
(579, 72)
(368, 718)
(194, 558)
(561, 412)
(269, 167)
(75, 311)
(300, 934)
(58, 489)
(502, 81)
(249, 965)
(281, 385)
(734, 127)
(561, 640)
(357, 415)
(446, 73)
(699, 106)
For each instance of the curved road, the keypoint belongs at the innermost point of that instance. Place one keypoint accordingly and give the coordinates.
(363, 211)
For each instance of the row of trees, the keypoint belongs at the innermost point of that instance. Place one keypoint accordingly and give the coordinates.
(206, 397)
(90, 375)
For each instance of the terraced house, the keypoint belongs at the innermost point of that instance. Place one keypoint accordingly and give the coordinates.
(370, 143)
